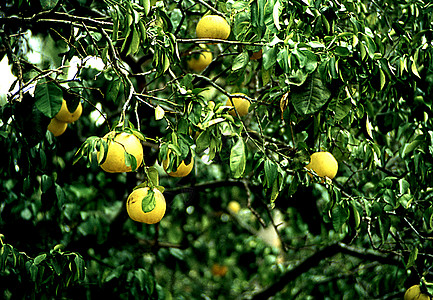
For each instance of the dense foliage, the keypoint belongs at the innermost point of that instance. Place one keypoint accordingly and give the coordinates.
(354, 78)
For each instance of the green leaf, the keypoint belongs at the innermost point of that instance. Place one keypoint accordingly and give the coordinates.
(384, 227)
(49, 98)
(341, 108)
(342, 51)
(356, 216)
(339, 216)
(55, 266)
(203, 141)
(46, 183)
(405, 200)
(80, 265)
(310, 63)
(60, 194)
(283, 60)
(142, 27)
(415, 70)
(412, 258)
(240, 61)
(48, 4)
(316, 44)
(153, 176)
(148, 203)
(4, 252)
(178, 253)
(271, 172)
(40, 258)
(116, 23)
(145, 280)
(269, 57)
(130, 161)
(382, 78)
(403, 186)
(33, 272)
(238, 158)
(266, 76)
(409, 147)
(311, 96)
(113, 89)
(146, 6)
(369, 44)
(275, 192)
(276, 14)
(258, 15)
(135, 41)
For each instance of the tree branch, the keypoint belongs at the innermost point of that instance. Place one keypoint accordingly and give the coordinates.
(206, 40)
(315, 259)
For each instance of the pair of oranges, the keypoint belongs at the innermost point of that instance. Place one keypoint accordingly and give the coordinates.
(114, 162)
(60, 122)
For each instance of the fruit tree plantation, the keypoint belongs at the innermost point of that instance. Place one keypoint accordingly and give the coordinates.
(209, 149)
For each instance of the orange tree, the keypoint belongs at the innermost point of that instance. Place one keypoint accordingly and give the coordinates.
(352, 78)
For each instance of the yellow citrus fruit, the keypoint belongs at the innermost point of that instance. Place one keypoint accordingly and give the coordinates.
(66, 116)
(234, 207)
(118, 144)
(135, 210)
(200, 63)
(241, 104)
(57, 127)
(219, 270)
(324, 164)
(182, 170)
(414, 293)
(213, 27)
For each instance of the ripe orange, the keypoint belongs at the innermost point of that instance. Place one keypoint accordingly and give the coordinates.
(65, 115)
(241, 104)
(182, 170)
(213, 27)
(200, 63)
(324, 164)
(57, 127)
(135, 210)
(118, 144)
(414, 293)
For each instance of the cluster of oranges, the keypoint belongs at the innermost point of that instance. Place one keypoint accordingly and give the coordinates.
(322, 164)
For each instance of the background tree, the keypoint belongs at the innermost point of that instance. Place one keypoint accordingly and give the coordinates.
(353, 78)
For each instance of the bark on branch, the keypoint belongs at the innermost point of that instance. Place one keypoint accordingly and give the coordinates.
(316, 258)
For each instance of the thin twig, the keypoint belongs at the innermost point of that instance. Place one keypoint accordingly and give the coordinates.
(249, 200)
(215, 11)
(416, 232)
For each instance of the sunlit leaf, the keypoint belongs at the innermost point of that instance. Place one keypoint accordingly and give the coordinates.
(159, 112)
(238, 158)
(240, 61)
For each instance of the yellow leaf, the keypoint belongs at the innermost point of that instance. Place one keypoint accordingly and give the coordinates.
(283, 103)
(159, 113)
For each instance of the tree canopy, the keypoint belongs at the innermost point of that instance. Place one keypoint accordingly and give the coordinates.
(250, 221)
